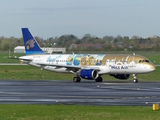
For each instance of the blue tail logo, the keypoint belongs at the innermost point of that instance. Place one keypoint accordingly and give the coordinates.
(31, 45)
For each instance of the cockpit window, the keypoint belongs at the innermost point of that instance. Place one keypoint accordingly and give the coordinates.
(142, 61)
(147, 61)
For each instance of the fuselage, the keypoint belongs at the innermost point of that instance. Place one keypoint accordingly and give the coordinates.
(105, 63)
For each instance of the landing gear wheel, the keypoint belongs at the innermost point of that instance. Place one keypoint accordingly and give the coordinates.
(76, 79)
(135, 80)
(99, 79)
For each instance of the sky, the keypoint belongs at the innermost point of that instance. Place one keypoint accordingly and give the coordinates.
(51, 18)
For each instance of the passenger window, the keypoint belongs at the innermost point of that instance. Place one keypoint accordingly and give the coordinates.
(136, 61)
(140, 61)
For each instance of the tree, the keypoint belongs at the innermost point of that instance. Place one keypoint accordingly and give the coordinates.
(6, 47)
(126, 42)
(108, 39)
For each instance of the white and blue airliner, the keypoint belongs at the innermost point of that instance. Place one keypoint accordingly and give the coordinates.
(86, 66)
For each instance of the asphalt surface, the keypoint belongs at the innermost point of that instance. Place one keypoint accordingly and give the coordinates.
(83, 93)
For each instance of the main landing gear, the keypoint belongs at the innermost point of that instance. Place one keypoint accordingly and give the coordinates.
(76, 79)
(99, 79)
(135, 80)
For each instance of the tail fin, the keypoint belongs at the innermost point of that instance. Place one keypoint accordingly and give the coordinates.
(31, 45)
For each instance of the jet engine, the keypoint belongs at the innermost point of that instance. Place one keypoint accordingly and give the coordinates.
(89, 74)
(121, 76)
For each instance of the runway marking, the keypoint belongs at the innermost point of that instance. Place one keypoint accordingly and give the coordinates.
(157, 88)
(98, 97)
(124, 88)
(117, 83)
(115, 99)
(124, 98)
(131, 98)
(154, 96)
(83, 97)
(11, 93)
(72, 100)
(146, 97)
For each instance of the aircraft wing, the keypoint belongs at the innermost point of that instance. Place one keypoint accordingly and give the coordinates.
(60, 66)
(70, 67)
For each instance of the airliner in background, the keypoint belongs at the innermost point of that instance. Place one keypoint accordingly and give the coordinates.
(87, 66)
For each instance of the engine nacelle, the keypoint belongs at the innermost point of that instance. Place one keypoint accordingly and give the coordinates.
(89, 74)
(121, 76)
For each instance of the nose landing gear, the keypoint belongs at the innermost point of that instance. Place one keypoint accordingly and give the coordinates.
(135, 80)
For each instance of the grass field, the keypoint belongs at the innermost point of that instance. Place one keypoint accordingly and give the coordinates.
(34, 73)
(75, 112)
(4, 57)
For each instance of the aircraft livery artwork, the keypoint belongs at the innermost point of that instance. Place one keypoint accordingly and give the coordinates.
(80, 59)
(90, 60)
(87, 66)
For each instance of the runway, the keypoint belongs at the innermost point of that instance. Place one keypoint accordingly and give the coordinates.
(83, 93)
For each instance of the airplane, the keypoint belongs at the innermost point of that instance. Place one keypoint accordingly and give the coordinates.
(86, 66)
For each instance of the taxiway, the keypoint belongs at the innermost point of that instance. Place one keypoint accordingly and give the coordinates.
(83, 93)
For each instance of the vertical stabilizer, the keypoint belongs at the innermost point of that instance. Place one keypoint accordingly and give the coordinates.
(31, 45)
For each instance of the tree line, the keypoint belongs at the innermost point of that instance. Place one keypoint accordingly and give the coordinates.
(108, 43)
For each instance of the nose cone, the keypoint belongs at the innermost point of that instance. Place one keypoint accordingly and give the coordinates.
(152, 67)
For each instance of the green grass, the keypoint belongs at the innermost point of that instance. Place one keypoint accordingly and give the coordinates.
(34, 73)
(4, 57)
(155, 59)
(30, 73)
(75, 112)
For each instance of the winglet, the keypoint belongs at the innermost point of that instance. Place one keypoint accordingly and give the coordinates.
(30, 43)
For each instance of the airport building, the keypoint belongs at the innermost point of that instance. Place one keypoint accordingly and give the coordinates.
(19, 49)
(47, 50)
(54, 50)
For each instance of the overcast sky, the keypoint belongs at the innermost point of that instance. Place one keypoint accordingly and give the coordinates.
(50, 18)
